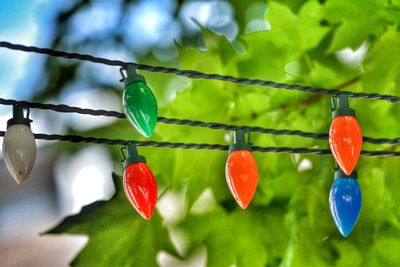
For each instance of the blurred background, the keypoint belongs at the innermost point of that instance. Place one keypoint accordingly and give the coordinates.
(331, 44)
(63, 181)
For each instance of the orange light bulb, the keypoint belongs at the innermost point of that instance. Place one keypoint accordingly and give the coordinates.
(345, 140)
(345, 137)
(242, 176)
(241, 171)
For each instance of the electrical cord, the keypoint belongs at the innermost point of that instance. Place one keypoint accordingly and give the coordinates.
(197, 74)
(95, 140)
(212, 125)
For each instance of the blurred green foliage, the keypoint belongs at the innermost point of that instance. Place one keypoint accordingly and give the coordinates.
(288, 222)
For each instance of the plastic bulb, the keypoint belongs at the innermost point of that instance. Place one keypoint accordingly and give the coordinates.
(345, 202)
(139, 183)
(241, 171)
(345, 137)
(19, 146)
(139, 103)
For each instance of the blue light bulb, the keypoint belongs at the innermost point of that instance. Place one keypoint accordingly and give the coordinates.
(345, 201)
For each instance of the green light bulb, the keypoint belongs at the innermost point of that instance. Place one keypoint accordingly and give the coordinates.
(140, 105)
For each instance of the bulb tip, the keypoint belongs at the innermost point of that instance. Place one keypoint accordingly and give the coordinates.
(148, 130)
(345, 234)
(346, 231)
(147, 134)
(347, 171)
(18, 181)
(242, 202)
(347, 168)
(145, 128)
(243, 205)
(146, 216)
(20, 177)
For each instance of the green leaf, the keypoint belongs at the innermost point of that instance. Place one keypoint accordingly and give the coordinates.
(356, 21)
(240, 237)
(349, 254)
(219, 45)
(117, 235)
(289, 37)
(382, 65)
(386, 249)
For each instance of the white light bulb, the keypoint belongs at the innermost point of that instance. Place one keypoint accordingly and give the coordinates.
(19, 146)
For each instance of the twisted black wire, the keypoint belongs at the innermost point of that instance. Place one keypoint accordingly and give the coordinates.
(95, 140)
(197, 74)
(212, 125)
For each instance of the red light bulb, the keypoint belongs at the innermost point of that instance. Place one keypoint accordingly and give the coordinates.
(345, 137)
(241, 171)
(140, 185)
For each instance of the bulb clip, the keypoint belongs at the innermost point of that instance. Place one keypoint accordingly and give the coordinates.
(342, 109)
(240, 141)
(132, 76)
(132, 157)
(341, 174)
(18, 117)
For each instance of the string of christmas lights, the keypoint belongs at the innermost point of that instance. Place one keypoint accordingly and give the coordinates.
(241, 172)
(140, 186)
